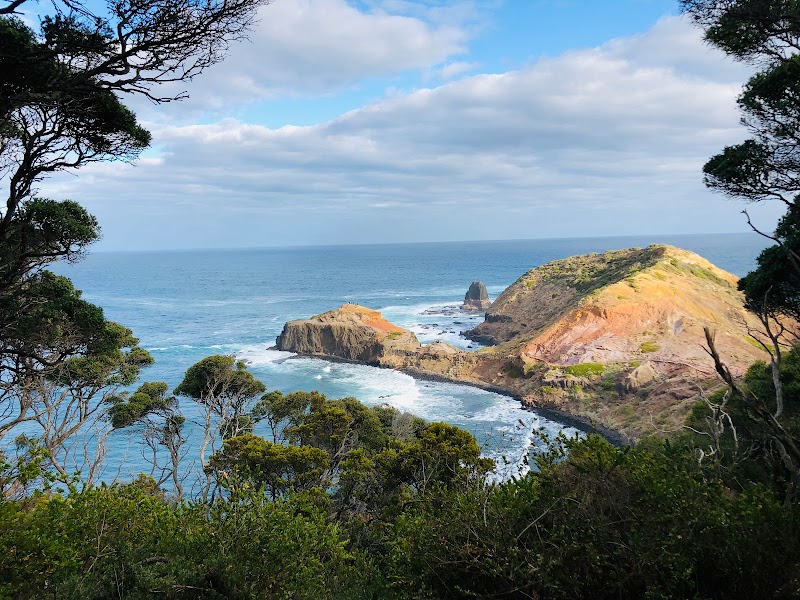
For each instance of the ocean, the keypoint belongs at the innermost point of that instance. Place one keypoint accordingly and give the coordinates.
(186, 305)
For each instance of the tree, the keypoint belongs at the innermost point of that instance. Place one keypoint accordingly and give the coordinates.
(61, 107)
(225, 391)
(160, 422)
(62, 409)
(766, 167)
(441, 455)
(251, 460)
(281, 411)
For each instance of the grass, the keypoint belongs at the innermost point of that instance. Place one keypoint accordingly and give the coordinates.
(513, 371)
(585, 370)
(533, 369)
(549, 390)
(593, 271)
(697, 271)
(624, 412)
(753, 342)
(648, 347)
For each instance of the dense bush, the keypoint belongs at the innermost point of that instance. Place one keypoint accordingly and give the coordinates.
(604, 522)
(128, 541)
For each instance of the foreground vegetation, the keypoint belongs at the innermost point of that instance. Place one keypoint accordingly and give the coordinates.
(341, 500)
(415, 519)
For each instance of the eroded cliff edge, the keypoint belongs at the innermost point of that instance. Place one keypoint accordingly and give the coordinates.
(615, 339)
(351, 332)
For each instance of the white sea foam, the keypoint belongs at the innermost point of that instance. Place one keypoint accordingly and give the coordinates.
(412, 310)
(381, 386)
(438, 321)
(427, 335)
(176, 347)
(259, 355)
(501, 426)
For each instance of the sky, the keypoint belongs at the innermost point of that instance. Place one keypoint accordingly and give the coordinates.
(374, 121)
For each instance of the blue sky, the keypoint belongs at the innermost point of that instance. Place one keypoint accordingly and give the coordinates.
(499, 36)
(401, 120)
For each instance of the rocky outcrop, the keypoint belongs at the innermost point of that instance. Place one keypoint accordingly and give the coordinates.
(359, 334)
(640, 376)
(351, 332)
(631, 305)
(615, 339)
(476, 300)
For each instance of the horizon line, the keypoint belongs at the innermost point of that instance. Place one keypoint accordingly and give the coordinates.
(415, 243)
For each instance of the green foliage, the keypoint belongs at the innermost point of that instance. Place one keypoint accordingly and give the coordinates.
(218, 376)
(224, 387)
(648, 347)
(593, 271)
(44, 231)
(514, 371)
(679, 266)
(412, 519)
(23, 469)
(759, 380)
(91, 117)
(737, 445)
(251, 461)
(605, 523)
(127, 541)
(775, 283)
(766, 166)
(116, 359)
(150, 397)
(589, 370)
(290, 408)
(442, 455)
(49, 321)
(549, 390)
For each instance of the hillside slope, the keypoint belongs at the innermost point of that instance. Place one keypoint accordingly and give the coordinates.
(624, 305)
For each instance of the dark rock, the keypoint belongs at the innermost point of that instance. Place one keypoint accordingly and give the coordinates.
(476, 298)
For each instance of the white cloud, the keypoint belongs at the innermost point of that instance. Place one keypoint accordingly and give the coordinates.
(317, 47)
(598, 142)
(453, 69)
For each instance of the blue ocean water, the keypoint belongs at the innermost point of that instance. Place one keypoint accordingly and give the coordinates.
(185, 305)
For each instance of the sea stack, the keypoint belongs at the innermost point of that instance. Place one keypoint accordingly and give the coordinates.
(476, 299)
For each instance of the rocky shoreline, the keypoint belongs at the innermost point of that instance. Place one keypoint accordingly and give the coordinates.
(610, 343)
(581, 424)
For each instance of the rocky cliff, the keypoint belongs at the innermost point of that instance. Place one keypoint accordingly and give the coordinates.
(476, 298)
(350, 332)
(615, 339)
